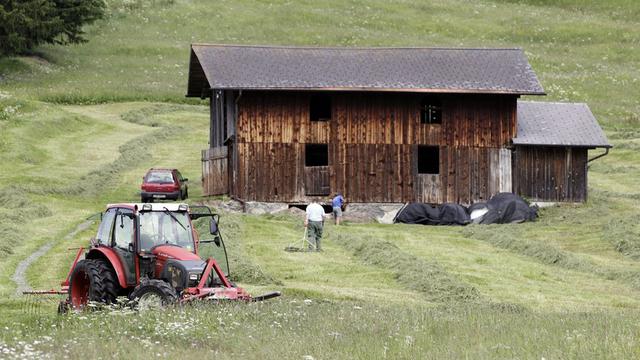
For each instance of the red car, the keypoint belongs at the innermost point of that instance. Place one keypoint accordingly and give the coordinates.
(163, 184)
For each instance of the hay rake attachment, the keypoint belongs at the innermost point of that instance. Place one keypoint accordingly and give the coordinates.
(39, 302)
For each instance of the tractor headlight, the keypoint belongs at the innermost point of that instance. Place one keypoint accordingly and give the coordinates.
(193, 279)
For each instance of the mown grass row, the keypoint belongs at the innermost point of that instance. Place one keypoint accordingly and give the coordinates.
(243, 269)
(19, 208)
(132, 153)
(16, 210)
(426, 277)
(624, 234)
(514, 239)
(55, 188)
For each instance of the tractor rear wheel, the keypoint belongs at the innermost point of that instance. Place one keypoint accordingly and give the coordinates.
(153, 293)
(92, 280)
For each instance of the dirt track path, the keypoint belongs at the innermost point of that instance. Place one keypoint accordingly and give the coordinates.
(19, 276)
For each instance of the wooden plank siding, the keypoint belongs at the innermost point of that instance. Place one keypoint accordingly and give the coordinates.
(215, 179)
(316, 181)
(470, 174)
(550, 173)
(373, 140)
(468, 120)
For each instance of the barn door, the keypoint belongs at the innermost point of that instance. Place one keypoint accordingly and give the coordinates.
(316, 170)
(500, 173)
(215, 171)
(316, 180)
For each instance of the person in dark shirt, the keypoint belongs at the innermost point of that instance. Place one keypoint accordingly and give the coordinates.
(337, 203)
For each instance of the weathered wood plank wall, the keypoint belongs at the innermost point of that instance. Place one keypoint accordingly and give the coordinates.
(373, 140)
(316, 181)
(215, 179)
(550, 173)
(365, 118)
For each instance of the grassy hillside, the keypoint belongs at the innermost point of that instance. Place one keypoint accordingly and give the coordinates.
(79, 125)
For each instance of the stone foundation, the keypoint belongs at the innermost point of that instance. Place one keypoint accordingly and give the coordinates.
(355, 212)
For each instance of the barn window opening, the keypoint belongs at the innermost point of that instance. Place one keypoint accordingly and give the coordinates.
(316, 155)
(428, 160)
(320, 107)
(431, 110)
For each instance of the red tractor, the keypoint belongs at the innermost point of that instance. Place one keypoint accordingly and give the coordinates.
(151, 253)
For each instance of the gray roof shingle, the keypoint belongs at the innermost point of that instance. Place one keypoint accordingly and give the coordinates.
(558, 124)
(378, 69)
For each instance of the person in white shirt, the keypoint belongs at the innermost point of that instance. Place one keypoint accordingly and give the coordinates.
(314, 222)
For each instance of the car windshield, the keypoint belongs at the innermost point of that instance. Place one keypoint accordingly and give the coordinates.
(160, 227)
(158, 177)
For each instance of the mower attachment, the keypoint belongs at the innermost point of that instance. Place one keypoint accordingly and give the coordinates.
(266, 296)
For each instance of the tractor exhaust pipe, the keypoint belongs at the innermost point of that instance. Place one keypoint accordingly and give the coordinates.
(266, 296)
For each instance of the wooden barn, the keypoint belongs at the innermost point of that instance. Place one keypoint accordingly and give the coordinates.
(385, 125)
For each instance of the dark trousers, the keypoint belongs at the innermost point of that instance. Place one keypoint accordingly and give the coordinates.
(314, 233)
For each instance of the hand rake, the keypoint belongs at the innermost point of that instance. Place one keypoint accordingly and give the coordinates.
(304, 241)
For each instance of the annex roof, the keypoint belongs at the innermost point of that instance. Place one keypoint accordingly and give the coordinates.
(558, 124)
(502, 71)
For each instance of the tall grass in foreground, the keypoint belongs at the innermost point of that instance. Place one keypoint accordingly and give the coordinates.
(294, 328)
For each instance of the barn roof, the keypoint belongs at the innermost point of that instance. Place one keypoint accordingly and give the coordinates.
(503, 71)
(558, 124)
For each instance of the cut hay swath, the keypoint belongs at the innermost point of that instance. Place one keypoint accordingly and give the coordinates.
(305, 244)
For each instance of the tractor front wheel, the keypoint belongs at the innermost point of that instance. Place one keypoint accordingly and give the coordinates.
(92, 280)
(152, 293)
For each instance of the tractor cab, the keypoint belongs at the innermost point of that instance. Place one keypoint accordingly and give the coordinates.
(145, 237)
(143, 250)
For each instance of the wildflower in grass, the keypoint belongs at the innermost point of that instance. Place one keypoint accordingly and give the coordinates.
(408, 340)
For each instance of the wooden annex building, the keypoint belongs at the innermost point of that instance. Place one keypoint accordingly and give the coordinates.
(390, 125)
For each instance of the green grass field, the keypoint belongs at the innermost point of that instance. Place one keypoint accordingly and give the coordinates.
(80, 124)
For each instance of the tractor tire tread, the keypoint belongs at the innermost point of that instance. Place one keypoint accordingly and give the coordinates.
(109, 280)
(167, 292)
(101, 284)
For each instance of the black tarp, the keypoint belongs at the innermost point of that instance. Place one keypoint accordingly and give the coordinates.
(503, 208)
(425, 214)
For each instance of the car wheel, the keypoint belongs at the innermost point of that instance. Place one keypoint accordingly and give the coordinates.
(186, 193)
